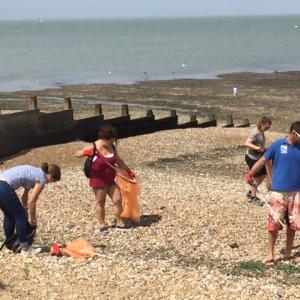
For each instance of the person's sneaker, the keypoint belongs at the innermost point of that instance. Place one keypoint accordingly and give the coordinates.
(30, 250)
(255, 200)
(249, 195)
(103, 229)
(123, 228)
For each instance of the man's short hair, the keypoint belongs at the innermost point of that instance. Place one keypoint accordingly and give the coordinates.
(295, 127)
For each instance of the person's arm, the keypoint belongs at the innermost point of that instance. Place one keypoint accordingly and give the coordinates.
(86, 151)
(265, 159)
(34, 195)
(24, 197)
(249, 144)
(123, 166)
(24, 200)
(258, 166)
(255, 169)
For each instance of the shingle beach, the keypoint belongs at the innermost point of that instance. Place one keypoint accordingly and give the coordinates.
(197, 235)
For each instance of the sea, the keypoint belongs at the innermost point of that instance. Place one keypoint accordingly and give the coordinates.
(45, 53)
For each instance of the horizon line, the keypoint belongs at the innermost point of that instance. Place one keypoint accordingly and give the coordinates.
(148, 17)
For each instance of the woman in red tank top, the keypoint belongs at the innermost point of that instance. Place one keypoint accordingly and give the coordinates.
(102, 175)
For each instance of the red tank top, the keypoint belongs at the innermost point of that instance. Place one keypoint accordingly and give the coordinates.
(101, 173)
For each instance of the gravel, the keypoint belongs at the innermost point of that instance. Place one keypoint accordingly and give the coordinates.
(196, 229)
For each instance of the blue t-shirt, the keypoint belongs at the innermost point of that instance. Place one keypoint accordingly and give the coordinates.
(286, 165)
(25, 176)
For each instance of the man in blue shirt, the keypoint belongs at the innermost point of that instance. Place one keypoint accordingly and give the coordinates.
(285, 198)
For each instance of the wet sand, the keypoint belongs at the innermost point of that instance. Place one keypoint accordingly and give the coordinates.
(275, 95)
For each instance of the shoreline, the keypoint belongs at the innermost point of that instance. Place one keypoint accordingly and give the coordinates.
(216, 76)
(54, 85)
(272, 94)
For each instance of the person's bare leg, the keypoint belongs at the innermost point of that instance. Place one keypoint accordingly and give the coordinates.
(290, 234)
(115, 194)
(257, 182)
(271, 244)
(100, 206)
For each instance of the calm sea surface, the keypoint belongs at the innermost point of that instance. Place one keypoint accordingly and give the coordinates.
(35, 55)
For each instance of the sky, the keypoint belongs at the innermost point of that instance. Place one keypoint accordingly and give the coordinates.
(73, 9)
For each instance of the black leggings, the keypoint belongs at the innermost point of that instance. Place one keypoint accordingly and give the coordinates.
(250, 162)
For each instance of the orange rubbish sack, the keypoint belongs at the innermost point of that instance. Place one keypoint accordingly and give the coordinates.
(79, 248)
(130, 190)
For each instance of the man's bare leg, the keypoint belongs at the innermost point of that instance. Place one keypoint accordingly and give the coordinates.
(271, 244)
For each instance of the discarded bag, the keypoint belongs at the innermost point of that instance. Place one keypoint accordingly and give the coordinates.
(79, 248)
(130, 190)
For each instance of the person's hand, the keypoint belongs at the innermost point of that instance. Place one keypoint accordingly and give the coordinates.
(261, 150)
(130, 174)
(88, 152)
(33, 226)
(249, 178)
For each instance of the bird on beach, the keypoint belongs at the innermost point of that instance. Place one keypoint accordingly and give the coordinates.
(184, 65)
(146, 76)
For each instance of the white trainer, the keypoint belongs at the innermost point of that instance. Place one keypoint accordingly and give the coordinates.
(30, 250)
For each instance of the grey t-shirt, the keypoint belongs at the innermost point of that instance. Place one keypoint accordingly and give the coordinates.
(25, 176)
(258, 139)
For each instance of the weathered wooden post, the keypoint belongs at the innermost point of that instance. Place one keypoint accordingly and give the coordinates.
(245, 123)
(173, 113)
(193, 118)
(229, 122)
(32, 103)
(211, 117)
(67, 103)
(124, 110)
(98, 110)
(149, 113)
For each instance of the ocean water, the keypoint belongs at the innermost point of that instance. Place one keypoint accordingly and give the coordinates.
(36, 55)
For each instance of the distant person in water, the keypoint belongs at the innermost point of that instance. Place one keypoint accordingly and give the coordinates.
(235, 90)
(256, 147)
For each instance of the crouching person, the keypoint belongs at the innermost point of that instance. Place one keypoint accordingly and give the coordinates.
(20, 214)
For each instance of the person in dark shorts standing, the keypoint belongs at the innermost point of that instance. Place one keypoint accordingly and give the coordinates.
(102, 175)
(256, 144)
(285, 197)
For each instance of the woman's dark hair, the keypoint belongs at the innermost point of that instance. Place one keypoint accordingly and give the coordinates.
(52, 169)
(107, 132)
(295, 126)
(263, 121)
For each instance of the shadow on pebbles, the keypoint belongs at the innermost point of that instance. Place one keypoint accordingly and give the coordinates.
(199, 238)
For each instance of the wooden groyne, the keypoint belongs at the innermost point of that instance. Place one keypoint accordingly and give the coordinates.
(32, 128)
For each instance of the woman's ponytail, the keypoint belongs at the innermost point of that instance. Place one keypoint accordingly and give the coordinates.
(52, 169)
(45, 167)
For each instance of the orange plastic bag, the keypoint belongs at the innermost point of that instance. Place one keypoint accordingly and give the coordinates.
(79, 248)
(130, 190)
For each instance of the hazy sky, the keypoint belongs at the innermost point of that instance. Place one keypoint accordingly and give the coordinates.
(57, 9)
